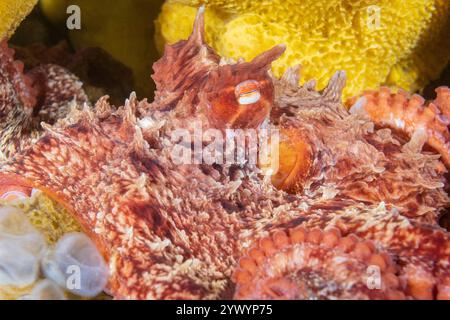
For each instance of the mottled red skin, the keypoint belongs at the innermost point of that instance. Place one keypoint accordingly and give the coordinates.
(209, 88)
(177, 231)
(43, 94)
(409, 113)
(23, 85)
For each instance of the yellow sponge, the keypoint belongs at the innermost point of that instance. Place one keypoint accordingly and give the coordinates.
(12, 12)
(430, 54)
(47, 216)
(402, 43)
(124, 28)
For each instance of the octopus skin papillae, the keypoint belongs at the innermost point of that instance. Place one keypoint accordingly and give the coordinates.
(355, 189)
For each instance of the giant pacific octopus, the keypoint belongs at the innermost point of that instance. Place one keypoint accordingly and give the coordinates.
(350, 194)
(43, 94)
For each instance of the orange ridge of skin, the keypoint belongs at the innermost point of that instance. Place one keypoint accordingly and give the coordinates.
(295, 161)
(420, 283)
(444, 290)
(443, 100)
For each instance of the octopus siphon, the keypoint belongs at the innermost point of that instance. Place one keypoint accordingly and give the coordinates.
(351, 213)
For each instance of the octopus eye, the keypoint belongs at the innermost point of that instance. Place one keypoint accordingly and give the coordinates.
(247, 92)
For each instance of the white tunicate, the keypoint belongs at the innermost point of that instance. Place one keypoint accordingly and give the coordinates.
(15, 227)
(45, 290)
(18, 267)
(76, 265)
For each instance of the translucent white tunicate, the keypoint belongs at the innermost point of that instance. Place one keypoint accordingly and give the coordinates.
(45, 290)
(18, 266)
(15, 227)
(76, 265)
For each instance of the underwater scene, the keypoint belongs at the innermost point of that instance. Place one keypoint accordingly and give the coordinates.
(224, 150)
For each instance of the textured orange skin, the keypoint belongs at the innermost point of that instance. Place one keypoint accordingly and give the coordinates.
(22, 83)
(13, 183)
(295, 161)
(408, 113)
(42, 94)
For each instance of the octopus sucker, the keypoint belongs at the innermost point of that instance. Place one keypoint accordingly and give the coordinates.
(150, 217)
(44, 94)
(313, 264)
(410, 114)
(420, 250)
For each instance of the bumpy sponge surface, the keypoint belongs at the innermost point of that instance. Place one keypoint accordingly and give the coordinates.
(395, 42)
(47, 215)
(12, 12)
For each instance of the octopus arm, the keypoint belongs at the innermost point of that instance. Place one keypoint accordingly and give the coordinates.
(409, 114)
(422, 251)
(45, 93)
(329, 152)
(312, 264)
(124, 195)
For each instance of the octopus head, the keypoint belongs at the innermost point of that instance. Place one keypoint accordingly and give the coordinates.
(240, 95)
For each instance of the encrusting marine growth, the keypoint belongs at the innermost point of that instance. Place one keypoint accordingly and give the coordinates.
(12, 12)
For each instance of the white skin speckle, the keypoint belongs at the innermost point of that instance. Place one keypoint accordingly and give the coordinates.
(146, 123)
(399, 123)
(358, 107)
